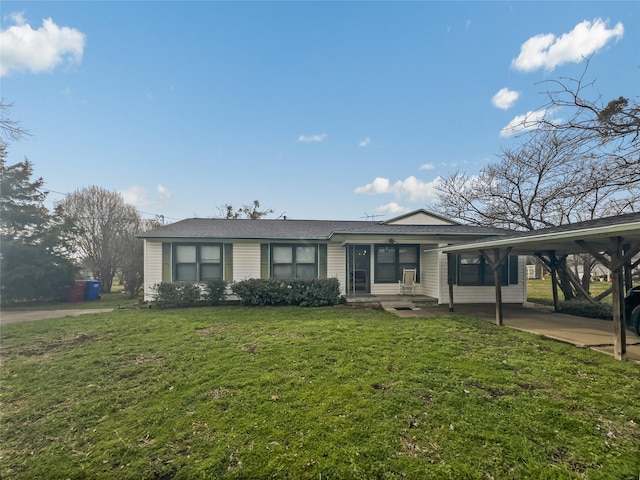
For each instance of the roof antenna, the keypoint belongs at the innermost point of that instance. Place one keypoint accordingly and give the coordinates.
(371, 217)
(282, 216)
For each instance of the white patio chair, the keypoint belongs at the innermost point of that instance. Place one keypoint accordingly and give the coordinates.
(408, 281)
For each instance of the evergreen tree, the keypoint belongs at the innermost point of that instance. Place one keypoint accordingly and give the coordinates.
(32, 261)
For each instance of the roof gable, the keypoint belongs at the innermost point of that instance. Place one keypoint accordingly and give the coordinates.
(420, 217)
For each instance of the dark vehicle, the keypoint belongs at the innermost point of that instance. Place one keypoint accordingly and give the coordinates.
(632, 309)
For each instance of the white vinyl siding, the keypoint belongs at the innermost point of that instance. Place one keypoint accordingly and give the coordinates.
(246, 261)
(152, 267)
(336, 264)
(430, 264)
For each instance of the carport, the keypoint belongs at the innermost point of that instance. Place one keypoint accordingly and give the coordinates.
(613, 241)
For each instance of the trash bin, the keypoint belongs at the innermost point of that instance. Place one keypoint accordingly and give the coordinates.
(77, 291)
(92, 291)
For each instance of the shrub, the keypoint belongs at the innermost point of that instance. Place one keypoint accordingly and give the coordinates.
(30, 273)
(305, 293)
(582, 308)
(173, 295)
(215, 291)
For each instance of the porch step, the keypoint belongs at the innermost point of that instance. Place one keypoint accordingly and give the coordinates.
(398, 305)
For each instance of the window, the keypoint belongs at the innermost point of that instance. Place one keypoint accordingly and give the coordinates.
(473, 270)
(390, 260)
(294, 261)
(198, 263)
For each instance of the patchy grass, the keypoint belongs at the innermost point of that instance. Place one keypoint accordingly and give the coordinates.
(540, 291)
(234, 392)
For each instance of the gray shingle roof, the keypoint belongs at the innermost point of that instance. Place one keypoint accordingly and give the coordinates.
(306, 229)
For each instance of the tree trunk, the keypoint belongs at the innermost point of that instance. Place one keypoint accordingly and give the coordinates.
(565, 283)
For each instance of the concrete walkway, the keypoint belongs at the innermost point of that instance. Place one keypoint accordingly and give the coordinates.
(31, 315)
(541, 320)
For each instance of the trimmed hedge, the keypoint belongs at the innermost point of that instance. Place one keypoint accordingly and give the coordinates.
(305, 293)
(215, 291)
(583, 308)
(178, 295)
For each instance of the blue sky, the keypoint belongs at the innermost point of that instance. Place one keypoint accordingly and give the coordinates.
(320, 110)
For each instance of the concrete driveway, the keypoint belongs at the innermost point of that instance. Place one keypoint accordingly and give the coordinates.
(541, 320)
(29, 316)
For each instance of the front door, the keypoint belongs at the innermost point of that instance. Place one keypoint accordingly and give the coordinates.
(359, 269)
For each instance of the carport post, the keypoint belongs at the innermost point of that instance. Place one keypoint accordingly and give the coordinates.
(496, 264)
(450, 273)
(497, 278)
(619, 334)
(554, 279)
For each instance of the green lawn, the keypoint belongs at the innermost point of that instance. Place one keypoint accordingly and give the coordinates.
(328, 393)
(540, 291)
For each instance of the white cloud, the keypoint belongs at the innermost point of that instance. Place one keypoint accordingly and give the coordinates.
(523, 123)
(312, 138)
(41, 50)
(18, 18)
(391, 208)
(379, 185)
(411, 188)
(140, 197)
(548, 51)
(365, 143)
(163, 192)
(505, 98)
(136, 196)
(427, 166)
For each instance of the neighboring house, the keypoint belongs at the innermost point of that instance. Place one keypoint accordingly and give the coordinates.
(367, 257)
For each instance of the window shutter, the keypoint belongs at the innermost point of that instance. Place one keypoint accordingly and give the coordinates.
(264, 260)
(228, 262)
(322, 260)
(513, 269)
(453, 263)
(166, 262)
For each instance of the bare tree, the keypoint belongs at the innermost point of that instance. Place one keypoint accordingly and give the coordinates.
(252, 212)
(132, 260)
(9, 129)
(103, 226)
(545, 182)
(578, 159)
(550, 180)
(610, 130)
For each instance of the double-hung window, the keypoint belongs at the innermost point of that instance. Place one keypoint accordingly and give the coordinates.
(294, 261)
(473, 270)
(197, 263)
(390, 260)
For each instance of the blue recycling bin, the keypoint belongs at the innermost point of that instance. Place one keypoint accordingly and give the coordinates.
(92, 290)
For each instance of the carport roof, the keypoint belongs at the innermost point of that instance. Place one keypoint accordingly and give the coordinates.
(561, 240)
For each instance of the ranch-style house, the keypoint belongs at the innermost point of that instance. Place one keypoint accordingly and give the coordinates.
(367, 257)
